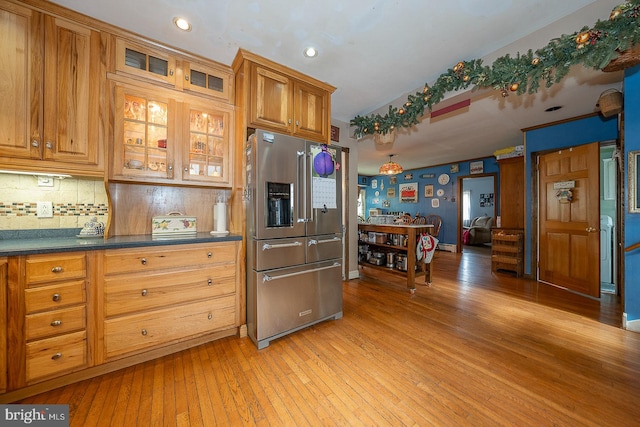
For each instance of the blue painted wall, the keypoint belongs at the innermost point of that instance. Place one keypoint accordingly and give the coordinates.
(448, 209)
(632, 221)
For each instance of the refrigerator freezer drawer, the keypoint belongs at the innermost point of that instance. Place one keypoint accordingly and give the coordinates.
(322, 248)
(277, 253)
(289, 299)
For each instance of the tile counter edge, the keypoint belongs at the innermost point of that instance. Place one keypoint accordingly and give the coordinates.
(12, 247)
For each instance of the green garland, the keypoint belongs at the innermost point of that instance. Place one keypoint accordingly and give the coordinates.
(593, 47)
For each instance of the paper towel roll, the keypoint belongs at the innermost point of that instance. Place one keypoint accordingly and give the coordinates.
(220, 216)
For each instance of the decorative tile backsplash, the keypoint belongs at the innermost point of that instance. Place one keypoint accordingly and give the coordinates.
(75, 201)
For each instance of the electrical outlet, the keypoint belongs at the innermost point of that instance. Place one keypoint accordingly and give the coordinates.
(44, 209)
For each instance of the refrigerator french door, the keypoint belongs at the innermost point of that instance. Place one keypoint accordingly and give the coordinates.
(294, 224)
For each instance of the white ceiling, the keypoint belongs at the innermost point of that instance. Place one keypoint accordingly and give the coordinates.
(377, 51)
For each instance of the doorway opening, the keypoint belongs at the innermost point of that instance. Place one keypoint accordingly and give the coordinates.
(477, 211)
(608, 217)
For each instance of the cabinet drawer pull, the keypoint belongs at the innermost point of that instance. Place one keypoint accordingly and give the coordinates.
(143, 261)
(48, 145)
(144, 292)
(186, 77)
(35, 143)
(56, 356)
(144, 332)
(56, 297)
(171, 72)
(56, 323)
(209, 255)
(209, 282)
(210, 316)
(57, 269)
(186, 169)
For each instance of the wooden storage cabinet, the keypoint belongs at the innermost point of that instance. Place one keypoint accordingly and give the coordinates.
(139, 60)
(148, 145)
(276, 98)
(512, 174)
(507, 251)
(47, 316)
(153, 297)
(54, 69)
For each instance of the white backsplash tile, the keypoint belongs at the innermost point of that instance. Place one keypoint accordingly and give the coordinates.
(75, 202)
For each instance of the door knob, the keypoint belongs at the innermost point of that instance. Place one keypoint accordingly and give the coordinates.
(591, 229)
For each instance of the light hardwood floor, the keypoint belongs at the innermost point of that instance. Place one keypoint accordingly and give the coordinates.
(473, 349)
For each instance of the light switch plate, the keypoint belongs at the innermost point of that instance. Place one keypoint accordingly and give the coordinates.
(44, 209)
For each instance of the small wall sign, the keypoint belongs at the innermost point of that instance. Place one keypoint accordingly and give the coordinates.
(476, 167)
(428, 175)
(564, 185)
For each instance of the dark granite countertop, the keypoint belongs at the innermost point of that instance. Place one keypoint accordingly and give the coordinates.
(11, 245)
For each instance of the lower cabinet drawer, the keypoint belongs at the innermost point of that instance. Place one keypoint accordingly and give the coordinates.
(138, 332)
(53, 267)
(129, 293)
(54, 296)
(56, 356)
(56, 322)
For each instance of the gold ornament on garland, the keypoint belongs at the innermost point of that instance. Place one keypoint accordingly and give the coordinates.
(609, 45)
(583, 37)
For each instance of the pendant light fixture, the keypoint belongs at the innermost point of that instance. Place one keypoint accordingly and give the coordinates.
(390, 168)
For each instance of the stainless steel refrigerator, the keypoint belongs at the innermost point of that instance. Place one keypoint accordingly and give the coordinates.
(294, 228)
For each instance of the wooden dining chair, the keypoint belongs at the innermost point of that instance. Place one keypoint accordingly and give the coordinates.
(436, 221)
(405, 219)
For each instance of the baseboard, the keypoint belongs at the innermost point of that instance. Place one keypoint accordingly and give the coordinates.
(630, 325)
(447, 247)
(354, 274)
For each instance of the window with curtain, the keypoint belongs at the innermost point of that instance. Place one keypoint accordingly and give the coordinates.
(466, 208)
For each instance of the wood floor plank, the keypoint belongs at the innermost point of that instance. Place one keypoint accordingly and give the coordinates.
(474, 348)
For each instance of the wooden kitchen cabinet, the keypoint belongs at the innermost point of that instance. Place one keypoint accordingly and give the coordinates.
(47, 316)
(161, 138)
(54, 86)
(175, 71)
(276, 98)
(157, 296)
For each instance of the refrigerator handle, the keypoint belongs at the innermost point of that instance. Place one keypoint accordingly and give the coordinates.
(268, 278)
(309, 212)
(302, 203)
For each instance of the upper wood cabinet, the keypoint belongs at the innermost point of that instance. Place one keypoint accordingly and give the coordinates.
(162, 138)
(52, 93)
(280, 99)
(177, 72)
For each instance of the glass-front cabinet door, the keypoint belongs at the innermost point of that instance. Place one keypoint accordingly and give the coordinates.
(143, 142)
(206, 153)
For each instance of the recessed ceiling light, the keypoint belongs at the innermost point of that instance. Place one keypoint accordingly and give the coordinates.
(310, 52)
(182, 23)
(554, 108)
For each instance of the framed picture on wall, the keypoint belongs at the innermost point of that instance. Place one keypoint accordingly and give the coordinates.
(391, 193)
(435, 203)
(409, 192)
(476, 167)
(428, 190)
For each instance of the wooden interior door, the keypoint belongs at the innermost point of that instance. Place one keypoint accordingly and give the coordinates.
(569, 251)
